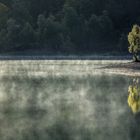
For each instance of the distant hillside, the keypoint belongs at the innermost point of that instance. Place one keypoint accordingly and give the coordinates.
(67, 26)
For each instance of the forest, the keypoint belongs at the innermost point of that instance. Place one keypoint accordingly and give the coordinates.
(67, 27)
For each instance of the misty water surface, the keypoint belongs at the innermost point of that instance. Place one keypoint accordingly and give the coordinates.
(66, 107)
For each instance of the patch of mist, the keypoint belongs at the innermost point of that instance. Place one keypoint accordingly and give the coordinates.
(55, 67)
(88, 107)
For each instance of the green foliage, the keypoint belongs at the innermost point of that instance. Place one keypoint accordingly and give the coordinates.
(3, 40)
(3, 8)
(101, 26)
(134, 96)
(134, 39)
(3, 15)
(49, 31)
(41, 23)
(106, 24)
(99, 30)
(20, 11)
(13, 33)
(27, 34)
(122, 42)
(70, 18)
(94, 27)
(69, 47)
(78, 26)
(53, 32)
(73, 25)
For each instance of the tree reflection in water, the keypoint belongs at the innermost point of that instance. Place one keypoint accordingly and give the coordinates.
(134, 96)
(134, 104)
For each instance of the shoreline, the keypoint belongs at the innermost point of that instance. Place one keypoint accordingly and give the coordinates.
(126, 69)
(65, 57)
(69, 67)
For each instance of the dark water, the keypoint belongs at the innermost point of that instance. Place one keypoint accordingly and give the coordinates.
(66, 108)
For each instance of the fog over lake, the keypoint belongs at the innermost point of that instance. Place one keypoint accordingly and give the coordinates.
(64, 100)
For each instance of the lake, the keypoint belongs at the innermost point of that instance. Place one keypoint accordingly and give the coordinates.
(64, 100)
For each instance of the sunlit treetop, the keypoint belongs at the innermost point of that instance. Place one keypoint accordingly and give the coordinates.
(134, 97)
(3, 8)
(134, 39)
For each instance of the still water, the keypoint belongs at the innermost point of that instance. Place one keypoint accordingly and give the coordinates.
(66, 107)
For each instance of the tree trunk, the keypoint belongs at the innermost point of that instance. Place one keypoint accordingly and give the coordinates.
(135, 58)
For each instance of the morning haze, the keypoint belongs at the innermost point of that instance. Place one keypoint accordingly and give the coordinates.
(66, 72)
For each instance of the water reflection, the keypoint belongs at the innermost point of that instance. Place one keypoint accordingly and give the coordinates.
(134, 104)
(134, 96)
(64, 108)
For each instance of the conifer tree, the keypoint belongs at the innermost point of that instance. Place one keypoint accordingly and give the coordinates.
(3, 8)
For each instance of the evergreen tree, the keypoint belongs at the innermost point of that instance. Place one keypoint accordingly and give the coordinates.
(3, 40)
(20, 11)
(3, 15)
(41, 22)
(27, 35)
(73, 25)
(13, 30)
(53, 33)
(71, 18)
(87, 25)
(93, 31)
(106, 26)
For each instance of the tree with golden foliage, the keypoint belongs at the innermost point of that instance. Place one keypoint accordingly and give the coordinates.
(134, 42)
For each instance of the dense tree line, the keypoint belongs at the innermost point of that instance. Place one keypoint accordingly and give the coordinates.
(67, 26)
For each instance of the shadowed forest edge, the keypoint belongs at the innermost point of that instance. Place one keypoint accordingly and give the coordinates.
(66, 26)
